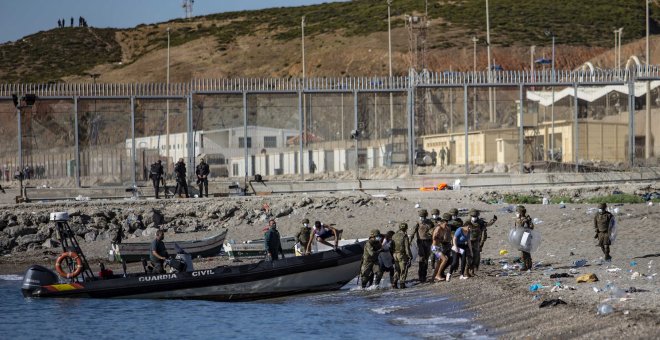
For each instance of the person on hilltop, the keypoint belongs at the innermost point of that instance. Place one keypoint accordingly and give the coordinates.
(603, 222)
(156, 174)
(158, 252)
(402, 255)
(272, 241)
(524, 221)
(202, 171)
(370, 254)
(441, 247)
(304, 238)
(423, 232)
(180, 173)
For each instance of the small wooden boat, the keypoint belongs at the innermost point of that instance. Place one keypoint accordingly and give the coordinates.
(135, 251)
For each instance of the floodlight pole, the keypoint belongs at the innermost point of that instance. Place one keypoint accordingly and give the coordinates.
(303, 133)
(490, 89)
(389, 41)
(474, 70)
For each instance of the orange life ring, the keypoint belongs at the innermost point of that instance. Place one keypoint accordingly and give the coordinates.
(74, 256)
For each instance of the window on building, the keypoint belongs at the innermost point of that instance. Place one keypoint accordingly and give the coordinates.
(270, 142)
(234, 169)
(241, 143)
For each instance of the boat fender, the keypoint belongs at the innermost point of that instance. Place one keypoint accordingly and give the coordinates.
(74, 256)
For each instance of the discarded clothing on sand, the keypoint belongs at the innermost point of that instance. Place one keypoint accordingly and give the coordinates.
(559, 275)
(551, 303)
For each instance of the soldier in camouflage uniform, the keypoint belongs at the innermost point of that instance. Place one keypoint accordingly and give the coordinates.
(303, 237)
(479, 227)
(524, 221)
(453, 223)
(423, 233)
(402, 255)
(370, 264)
(603, 224)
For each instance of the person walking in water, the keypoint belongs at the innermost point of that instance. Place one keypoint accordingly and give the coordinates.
(402, 255)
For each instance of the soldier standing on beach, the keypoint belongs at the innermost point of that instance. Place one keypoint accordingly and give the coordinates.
(202, 171)
(524, 221)
(370, 266)
(156, 173)
(603, 224)
(478, 236)
(180, 172)
(423, 232)
(402, 256)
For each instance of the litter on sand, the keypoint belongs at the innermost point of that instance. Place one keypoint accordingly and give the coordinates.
(591, 277)
(552, 303)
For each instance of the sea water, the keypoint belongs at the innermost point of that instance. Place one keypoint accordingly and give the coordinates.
(349, 313)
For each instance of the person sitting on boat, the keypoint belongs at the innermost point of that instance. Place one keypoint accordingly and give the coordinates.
(303, 236)
(272, 241)
(158, 252)
(322, 232)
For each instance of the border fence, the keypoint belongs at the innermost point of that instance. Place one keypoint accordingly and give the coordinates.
(94, 135)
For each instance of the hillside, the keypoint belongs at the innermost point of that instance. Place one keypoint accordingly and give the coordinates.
(342, 39)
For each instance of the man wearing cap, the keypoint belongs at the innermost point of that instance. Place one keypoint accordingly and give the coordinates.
(423, 232)
(272, 241)
(202, 171)
(303, 238)
(370, 265)
(156, 173)
(402, 255)
(603, 222)
(441, 247)
(477, 238)
(524, 221)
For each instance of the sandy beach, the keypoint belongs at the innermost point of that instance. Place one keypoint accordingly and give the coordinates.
(500, 298)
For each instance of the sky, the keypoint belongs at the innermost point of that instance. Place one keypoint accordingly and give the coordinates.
(19, 18)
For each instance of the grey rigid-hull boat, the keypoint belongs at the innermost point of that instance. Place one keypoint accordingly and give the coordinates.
(329, 270)
(135, 251)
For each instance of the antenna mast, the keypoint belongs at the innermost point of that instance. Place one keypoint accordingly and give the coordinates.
(188, 8)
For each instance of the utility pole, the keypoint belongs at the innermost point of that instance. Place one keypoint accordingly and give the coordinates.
(490, 89)
(167, 107)
(474, 70)
(389, 43)
(303, 133)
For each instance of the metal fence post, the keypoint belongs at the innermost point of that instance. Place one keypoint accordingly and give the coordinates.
(245, 137)
(133, 141)
(191, 139)
(20, 140)
(357, 134)
(465, 117)
(77, 139)
(521, 130)
(631, 111)
(411, 129)
(302, 135)
(576, 129)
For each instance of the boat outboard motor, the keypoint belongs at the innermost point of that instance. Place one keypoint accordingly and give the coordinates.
(36, 277)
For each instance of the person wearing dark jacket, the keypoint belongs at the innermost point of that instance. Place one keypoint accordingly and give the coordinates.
(156, 173)
(202, 171)
(180, 172)
(272, 241)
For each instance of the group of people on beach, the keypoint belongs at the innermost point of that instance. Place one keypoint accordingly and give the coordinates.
(447, 241)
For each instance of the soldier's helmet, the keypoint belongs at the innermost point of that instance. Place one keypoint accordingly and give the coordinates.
(446, 216)
(403, 226)
(305, 220)
(423, 213)
(602, 206)
(473, 212)
(459, 222)
(521, 209)
(374, 233)
(453, 211)
(435, 212)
